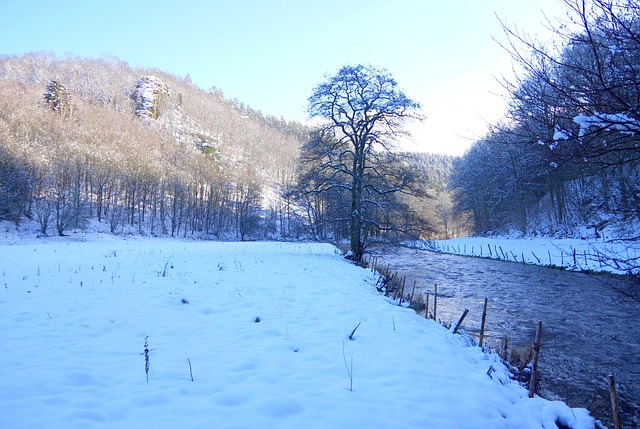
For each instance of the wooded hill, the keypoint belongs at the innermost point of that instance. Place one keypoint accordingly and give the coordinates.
(83, 139)
(144, 151)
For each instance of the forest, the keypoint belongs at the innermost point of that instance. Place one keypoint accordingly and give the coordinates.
(565, 161)
(142, 151)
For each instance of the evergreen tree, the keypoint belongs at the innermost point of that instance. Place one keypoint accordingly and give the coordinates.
(57, 97)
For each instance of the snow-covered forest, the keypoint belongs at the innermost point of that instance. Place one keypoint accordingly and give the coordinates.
(140, 150)
(566, 159)
(150, 153)
(146, 152)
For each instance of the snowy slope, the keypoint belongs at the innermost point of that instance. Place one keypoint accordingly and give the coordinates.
(265, 327)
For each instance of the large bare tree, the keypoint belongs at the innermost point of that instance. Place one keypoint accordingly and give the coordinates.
(365, 110)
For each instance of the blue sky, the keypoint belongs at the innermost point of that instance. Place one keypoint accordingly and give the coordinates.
(270, 54)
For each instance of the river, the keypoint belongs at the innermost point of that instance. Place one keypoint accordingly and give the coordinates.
(589, 329)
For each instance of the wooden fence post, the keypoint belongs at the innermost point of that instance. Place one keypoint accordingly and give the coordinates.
(404, 282)
(484, 319)
(614, 401)
(464, 314)
(426, 306)
(435, 300)
(412, 293)
(536, 354)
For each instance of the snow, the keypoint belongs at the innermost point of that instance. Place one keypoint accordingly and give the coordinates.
(265, 328)
(559, 134)
(621, 122)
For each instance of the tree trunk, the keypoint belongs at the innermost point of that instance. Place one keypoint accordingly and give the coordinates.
(357, 248)
(355, 222)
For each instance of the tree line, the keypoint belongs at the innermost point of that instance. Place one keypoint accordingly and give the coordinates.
(568, 153)
(145, 152)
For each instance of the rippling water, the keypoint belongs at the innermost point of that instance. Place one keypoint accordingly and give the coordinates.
(589, 330)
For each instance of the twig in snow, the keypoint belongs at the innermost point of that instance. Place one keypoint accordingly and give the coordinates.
(349, 369)
(164, 272)
(146, 356)
(354, 331)
(190, 370)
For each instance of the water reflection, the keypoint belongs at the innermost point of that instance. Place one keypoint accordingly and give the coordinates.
(589, 330)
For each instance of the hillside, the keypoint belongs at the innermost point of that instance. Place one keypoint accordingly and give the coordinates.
(150, 153)
(137, 148)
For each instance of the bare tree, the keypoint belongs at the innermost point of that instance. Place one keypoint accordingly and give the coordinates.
(366, 111)
(583, 100)
(15, 186)
(567, 157)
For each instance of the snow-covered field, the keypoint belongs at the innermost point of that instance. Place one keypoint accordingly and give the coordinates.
(263, 329)
(573, 254)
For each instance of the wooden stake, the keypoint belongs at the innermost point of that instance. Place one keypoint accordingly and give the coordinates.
(536, 354)
(435, 300)
(397, 285)
(614, 402)
(538, 259)
(484, 319)
(426, 307)
(413, 291)
(390, 285)
(404, 280)
(464, 314)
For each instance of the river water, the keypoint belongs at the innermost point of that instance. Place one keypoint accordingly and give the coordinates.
(589, 330)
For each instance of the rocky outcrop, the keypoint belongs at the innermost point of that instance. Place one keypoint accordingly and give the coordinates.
(147, 96)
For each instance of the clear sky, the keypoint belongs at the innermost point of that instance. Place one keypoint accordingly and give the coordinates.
(270, 54)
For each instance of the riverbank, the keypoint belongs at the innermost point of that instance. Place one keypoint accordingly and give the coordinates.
(596, 255)
(107, 330)
(589, 328)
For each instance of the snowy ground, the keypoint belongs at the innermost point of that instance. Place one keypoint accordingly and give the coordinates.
(263, 328)
(573, 254)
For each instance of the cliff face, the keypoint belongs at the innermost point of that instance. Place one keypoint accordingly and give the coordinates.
(147, 96)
